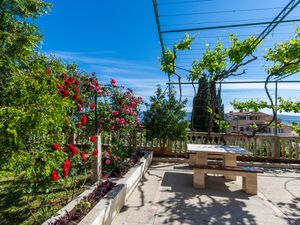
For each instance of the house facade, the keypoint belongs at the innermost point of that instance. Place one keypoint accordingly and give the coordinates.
(242, 121)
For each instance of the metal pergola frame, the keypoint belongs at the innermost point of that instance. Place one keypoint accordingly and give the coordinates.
(271, 25)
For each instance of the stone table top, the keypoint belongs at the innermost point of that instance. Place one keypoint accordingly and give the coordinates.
(222, 149)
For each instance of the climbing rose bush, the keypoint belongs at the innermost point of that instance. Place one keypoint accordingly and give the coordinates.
(118, 117)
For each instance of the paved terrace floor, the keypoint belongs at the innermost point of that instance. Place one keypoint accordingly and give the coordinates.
(166, 196)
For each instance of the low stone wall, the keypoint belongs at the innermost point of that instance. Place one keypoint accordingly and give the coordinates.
(109, 207)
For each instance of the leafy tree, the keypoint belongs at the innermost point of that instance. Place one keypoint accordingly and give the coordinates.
(285, 61)
(20, 37)
(214, 64)
(164, 118)
(200, 114)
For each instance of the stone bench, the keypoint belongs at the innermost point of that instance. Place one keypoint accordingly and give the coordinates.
(249, 175)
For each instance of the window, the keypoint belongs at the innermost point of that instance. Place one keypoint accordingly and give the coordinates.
(254, 117)
(242, 117)
(234, 128)
(241, 128)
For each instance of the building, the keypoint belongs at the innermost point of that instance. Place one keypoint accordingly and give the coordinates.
(242, 121)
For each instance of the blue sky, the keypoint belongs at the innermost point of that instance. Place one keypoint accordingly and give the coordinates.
(119, 39)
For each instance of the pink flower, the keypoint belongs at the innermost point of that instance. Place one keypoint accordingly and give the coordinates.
(114, 85)
(107, 162)
(112, 128)
(106, 155)
(122, 121)
(115, 113)
(115, 158)
(92, 86)
(113, 81)
(117, 120)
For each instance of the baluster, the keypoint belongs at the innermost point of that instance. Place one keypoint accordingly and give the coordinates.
(269, 149)
(283, 148)
(297, 150)
(197, 139)
(290, 149)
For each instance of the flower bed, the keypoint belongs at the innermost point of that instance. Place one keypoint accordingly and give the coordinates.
(97, 209)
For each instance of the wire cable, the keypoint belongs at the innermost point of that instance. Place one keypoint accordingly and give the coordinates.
(217, 12)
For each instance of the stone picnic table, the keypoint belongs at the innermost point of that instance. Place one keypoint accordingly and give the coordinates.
(199, 154)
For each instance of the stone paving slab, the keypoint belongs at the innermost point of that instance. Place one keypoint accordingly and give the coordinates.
(166, 196)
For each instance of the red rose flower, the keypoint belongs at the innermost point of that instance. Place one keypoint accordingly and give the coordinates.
(77, 82)
(63, 76)
(59, 86)
(84, 119)
(54, 175)
(48, 72)
(93, 106)
(71, 79)
(55, 146)
(66, 93)
(79, 125)
(83, 156)
(68, 83)
(81, 102)
(76, 96)
(73, 150)
(66, 166)
(79, 108)
(93, 138)
(95, 152)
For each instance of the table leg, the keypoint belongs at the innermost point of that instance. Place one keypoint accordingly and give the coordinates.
(192, 160)
(201, 158)
(229, 160)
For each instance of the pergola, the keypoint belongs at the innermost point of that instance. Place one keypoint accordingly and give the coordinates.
(270, 21)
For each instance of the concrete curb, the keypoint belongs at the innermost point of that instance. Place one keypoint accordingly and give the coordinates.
(109, 207)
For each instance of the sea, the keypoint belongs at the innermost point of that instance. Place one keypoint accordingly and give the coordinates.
(287, 119)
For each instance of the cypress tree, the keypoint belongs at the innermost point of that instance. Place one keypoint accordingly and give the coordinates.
(200, 115)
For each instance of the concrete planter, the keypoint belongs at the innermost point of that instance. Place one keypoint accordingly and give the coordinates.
(108, 208)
